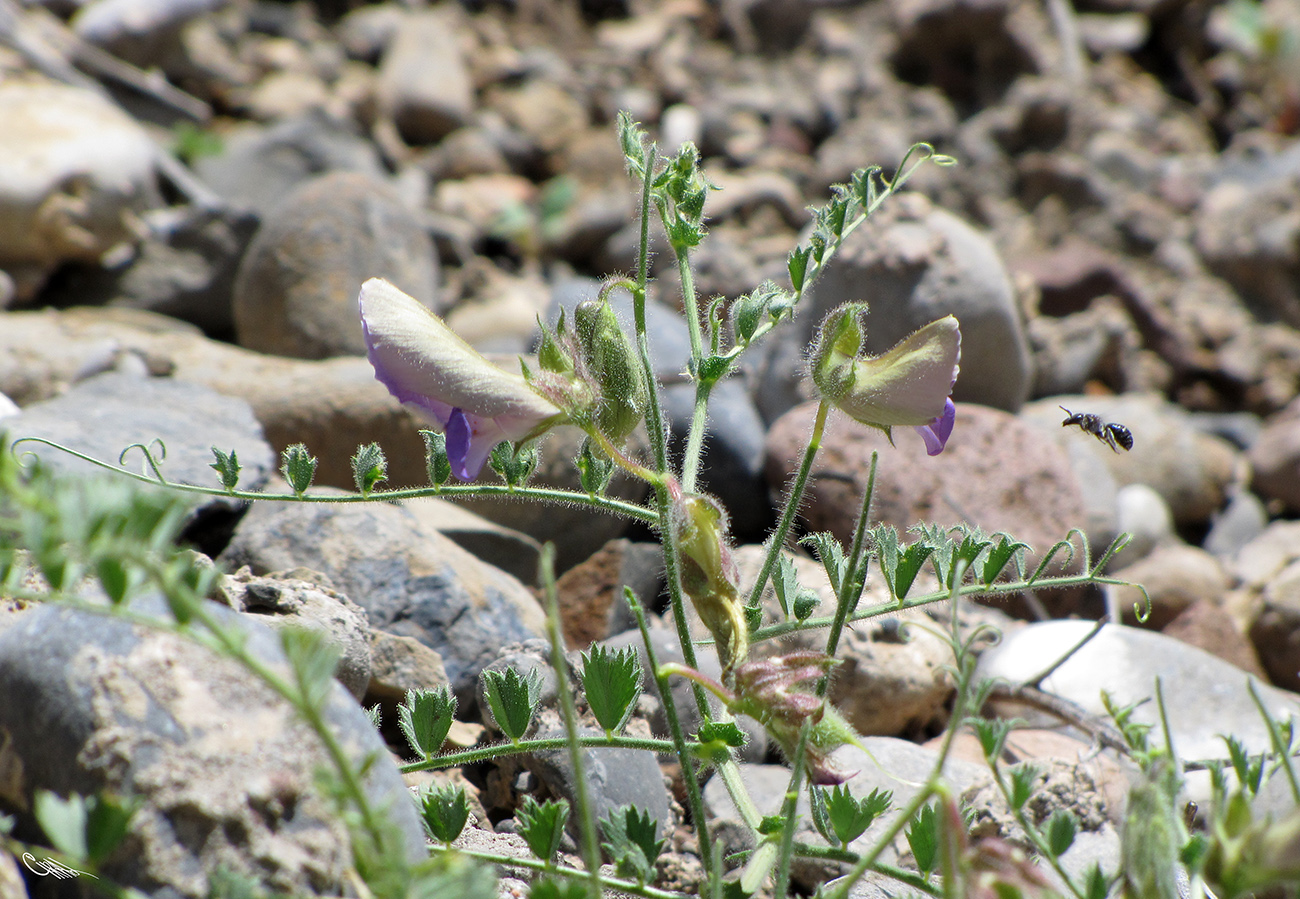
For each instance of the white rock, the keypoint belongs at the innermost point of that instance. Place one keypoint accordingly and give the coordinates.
(1204, 695)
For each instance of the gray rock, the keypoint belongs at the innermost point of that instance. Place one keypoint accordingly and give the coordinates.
(1276, 632)
(299, 599)
(1247, 228)
(258, 166)
(614, 777)
(1175, 576)
(185, 268)
(188, 270)
(1073, 349)
(139, 31)
(1240, 521)
(424, 85)
(103, 415)
(914, 263)
(1275, 459)
(296, 291)
(366, 30)
(1266, 556)
(74, 172)
(42, 354)
(971, 51)
(411, 580)
(331, 405)
(221, 765)
(513, 552)
(1145, 515)
(576, 531)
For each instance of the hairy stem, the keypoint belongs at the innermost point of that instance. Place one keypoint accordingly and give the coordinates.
(776, 542)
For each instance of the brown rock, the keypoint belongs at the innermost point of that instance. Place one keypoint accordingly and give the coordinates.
(296, 290)
(996, 472)
(1276, 633)
(1176, 577)
(398, 664)
(1275, 459)
(1208, 626)
(586, 593)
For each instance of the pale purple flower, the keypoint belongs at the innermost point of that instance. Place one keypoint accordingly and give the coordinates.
(910, 384)
(429, 368)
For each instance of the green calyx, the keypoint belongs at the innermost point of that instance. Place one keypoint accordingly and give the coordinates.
(611, 362)
(836, 350)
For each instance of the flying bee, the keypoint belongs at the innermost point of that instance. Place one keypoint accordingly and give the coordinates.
(1110, 433)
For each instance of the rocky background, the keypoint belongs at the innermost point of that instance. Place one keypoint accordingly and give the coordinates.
(192, 191)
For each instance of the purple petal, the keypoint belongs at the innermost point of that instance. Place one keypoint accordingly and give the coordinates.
(470, 439)
(936, 433)
(458, 443)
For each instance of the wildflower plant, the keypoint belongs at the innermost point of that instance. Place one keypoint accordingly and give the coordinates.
(589, 373)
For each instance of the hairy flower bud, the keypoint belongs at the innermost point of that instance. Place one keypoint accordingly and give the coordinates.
(611, 361)
(710, 577)
(909, 384)
(780, 693)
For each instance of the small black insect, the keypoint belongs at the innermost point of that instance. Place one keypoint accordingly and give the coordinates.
(1108, 432)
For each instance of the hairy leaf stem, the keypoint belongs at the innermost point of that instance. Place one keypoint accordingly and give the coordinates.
(500, 750)
(544, 494)
(845, 602)
(776, 542)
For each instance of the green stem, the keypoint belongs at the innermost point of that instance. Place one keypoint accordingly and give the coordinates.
(544, 494)
(781, 881)
(911, 878)
(783, 628)
(694, 799)
(500, 750)
(658, 440)
(699, 417)
(690, 303)
(844, 601)
(624, 461)
(695, 436)
(586, 812)
(777, 541)
(614, 883)
(1032, 832)
(931, 787)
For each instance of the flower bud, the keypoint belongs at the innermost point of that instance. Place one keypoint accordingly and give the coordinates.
(614, 365)
(710, 576)
(780, 692)
(552, 354)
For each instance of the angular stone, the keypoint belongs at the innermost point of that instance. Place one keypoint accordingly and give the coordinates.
(412, 580)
